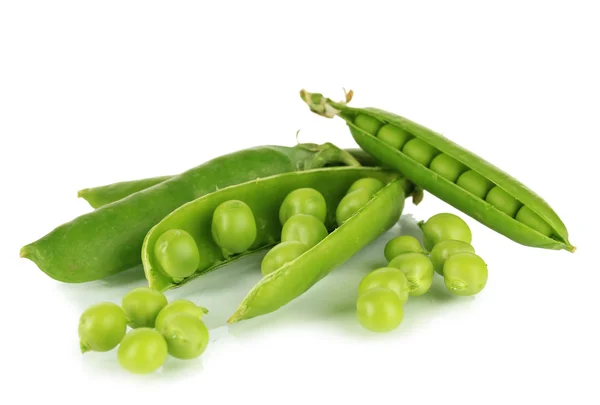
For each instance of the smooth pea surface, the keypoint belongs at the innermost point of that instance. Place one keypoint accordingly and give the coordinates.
(303, 228)
(418, 270)
(368, 124)
(177, 253)
(465, 274)
(101, 327)
(533, 220)
(176, 307)
(369, 183)
(402, 244)
(350, 204)
(281, 254)
(503, 201)
(447, 167)
(446, 248)
(394, 136)
(142, 351)
(233, 226)
(386, 277)
(142, 306)
(420, 151)
(379, 310)
(186, 336)
(474, 183)
(303, 201)
(445, 226)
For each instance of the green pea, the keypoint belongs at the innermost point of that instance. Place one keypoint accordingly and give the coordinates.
(420, 151)
(368, 183)
(533, 220)
(447, 167)
(368, 124)
(101, 327)
(474, 183)
(142, 306)
(465, 273)
(446, 248)
(303, 201)
(177, 253)
(186, 336)
(503, 201)
(386, 277)
(418, 270)
(394, 136)
(234, 226)
(142, 351)
(281, 254)
(350, 204)
(176, 307)
(379, 310)
(402, 244)
(303, 228)
(442, 227)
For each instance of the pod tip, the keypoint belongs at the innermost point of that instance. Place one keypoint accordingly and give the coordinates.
(571, 248)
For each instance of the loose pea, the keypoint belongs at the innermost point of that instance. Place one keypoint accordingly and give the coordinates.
(446, 248)
(442, 227)
(402, 244)
(368, 124)
(234, 226)
(418, 270)
(142, 306)
(393, 136)
(176, 307)
(186, 336)
(368, 183)
(474, 183)
(503, 201)
(177, 253)
(281, 254)
(386, 277)
(420, 151)
(142, 351)
(350, 204)
(101, 327)
(303, 201)
(533, 220)
(303, 228)
(379, 310)
(465, 273)
(447, 167)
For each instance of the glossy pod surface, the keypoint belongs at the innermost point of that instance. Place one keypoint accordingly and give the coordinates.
(497, 212)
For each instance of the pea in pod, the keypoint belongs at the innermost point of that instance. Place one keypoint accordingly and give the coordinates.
(432, 162)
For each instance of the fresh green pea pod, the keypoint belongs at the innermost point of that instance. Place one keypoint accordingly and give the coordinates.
(263, 196)
(474, 206)
(108, 240)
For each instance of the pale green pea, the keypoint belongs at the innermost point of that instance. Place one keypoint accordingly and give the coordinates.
(177, 253)
(445, 226)
(303, 228)
(386, 277)
(402, 244)
(446, 248)
(176, 307)
(465, 273)
(418, 270)
(234, 227)
(101, 327)
(303, 201)
(186, 336)
(142, 351)
(379, 310)
(142, 306)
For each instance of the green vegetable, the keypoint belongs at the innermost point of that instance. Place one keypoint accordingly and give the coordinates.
(379, 310)
(386, 277)
(475, 183)
(186, 336)
(402, 244)
(303, 228)
(503, 201)
(303, 201)
(443, 227)
(447, 167)
(142, 351)
(233, 227)
(101, 327)
(422, 176)
(533, 220)
(446, 248)
(178, 307)
(281, 254)
(418, 270)
(465, 273)
(420, 151)
(351, 203)
(177, 253)
(370, 184)
(142, 305)
(392, 135)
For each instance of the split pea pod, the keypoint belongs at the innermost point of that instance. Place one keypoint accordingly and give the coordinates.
(451, 173)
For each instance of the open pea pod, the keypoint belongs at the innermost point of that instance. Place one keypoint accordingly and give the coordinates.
(506, 205)
(264, 196)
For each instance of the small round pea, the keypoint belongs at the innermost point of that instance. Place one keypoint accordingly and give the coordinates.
(534, 221)
(177, 253)
(447, 167)
(445, 226)
(142, 351)
(303, 228)
(303, 201)
(101, 327)
(186, 336)
(465, 273)
(394, 136)
(379, 310)
(386, 277)
(402, 244)
(351, 203)
(420, 151)
(418, 270)
(176, 307)
(368, 124)
(142, 306)
(446, 248)
(281, 254)
(233, 226)
(474, 183)
(368, 183)
(503, 201)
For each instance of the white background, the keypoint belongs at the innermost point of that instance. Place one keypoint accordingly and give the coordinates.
(96, 92)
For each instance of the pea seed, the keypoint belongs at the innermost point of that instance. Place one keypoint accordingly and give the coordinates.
(281, 254)
(445, 226)
(533, 220)
(368, 124)
(379, 310)
(474, 183)
(368, 183)
(303, 228)
(503, 201)
(447, 167)
(418, 270)
(393, 136)
(402, 244)
(177, 307)
(142, 305)
(234, 226)
(350, 204)
(303, 201)
(186, 336)
(101, 327)
(420, 151)
(142, 351)
(177, 253)
(386, 277)
(465, 273)
(446, 248)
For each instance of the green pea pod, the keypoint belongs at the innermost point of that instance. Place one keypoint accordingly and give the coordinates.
(536, 225)
(108, 240)
(264, 197)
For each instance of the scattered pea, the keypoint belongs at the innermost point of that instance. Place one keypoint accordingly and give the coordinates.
(142, 306)
(101, 327)
(444, 249)
(350, 204)
(386, 277)
(234, 226)
(368, 124)
(176, 307)
(142, 351)
(418, 270)
(474, 183)
(420, 151)
(402, 244)
(281, 254)
(447, 167)
(503, 201)
(303, 201)
(465, 273)
(186, 336)
(442, 227)
(177, 253)
(394, 136)
(531, 219)
(379, 310)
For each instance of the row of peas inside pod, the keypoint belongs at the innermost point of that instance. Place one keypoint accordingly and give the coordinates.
(448, 251)
(158, 328)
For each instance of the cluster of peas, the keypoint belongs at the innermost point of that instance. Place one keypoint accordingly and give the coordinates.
(158, 328)
(410, 270)
(453, 171)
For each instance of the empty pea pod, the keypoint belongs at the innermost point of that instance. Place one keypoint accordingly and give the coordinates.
(496, 212)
